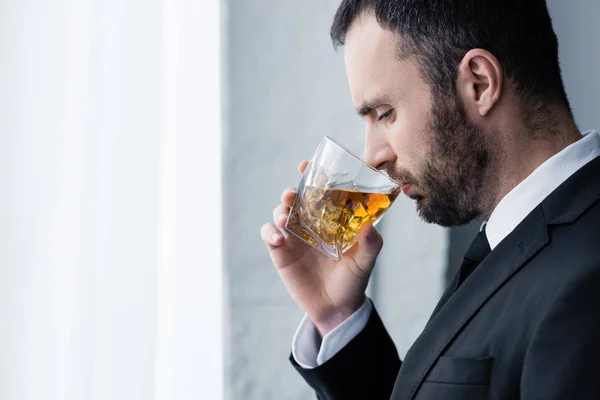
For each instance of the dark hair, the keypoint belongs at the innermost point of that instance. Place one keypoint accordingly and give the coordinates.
(440, 32)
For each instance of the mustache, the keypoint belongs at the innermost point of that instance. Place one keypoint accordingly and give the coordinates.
(401, 175)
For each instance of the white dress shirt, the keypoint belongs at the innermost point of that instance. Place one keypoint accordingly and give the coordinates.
(507, 215)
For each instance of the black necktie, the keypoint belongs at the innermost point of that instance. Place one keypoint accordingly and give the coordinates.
(478, 250)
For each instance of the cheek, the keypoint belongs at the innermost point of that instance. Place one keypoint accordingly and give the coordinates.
(410, 138)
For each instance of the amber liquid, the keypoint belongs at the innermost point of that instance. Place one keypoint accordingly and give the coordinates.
(336, 215)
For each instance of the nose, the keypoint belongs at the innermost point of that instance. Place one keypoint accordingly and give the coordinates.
(377, 153)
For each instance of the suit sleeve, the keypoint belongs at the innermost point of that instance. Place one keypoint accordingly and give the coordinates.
(563, 358)
(366, 368)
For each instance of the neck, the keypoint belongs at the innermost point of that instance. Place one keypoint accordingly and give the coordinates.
(523, 153)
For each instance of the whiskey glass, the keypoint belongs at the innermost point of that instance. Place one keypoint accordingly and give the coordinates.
(337, 195)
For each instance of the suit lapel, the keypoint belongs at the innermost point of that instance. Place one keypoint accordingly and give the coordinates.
(501, 264)
(447, 294)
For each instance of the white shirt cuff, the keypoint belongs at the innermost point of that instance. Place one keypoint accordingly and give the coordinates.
(305, 346)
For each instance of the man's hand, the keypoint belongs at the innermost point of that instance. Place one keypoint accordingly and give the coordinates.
(328, 291)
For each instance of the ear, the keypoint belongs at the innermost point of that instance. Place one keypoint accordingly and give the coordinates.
(479, 82)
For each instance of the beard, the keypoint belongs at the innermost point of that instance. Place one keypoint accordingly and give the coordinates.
(452, 178)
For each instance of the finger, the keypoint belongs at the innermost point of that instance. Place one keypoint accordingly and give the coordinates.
(288, 196)
(369, 245)
(271, 236)
(280, 214)
(302, 166)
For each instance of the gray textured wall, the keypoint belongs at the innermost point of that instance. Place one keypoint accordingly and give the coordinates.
(577, 24)
(285, 89)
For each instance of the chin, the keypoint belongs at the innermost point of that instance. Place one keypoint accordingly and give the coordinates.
(422, 202)
(429, 215)
(417, 197)
(422, 207)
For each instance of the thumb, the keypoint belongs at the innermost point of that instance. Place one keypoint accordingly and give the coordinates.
(368, 247)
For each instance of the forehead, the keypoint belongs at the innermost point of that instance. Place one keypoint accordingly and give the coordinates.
(373, 65)
(367, 38)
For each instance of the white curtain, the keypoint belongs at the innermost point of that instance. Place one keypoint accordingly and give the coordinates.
(110, 245)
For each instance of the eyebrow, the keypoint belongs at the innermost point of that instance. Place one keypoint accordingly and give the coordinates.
(368, 106)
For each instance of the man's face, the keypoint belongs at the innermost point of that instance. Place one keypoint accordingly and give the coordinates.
(425, 143)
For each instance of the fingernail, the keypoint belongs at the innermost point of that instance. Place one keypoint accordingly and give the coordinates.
(287, 192)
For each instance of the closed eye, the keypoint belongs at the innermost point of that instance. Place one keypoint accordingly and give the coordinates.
(385, 116)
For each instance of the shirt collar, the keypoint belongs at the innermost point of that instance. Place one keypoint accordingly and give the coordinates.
(528, 194)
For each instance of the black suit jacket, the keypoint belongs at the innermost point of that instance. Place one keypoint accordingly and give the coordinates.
(524, 325)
